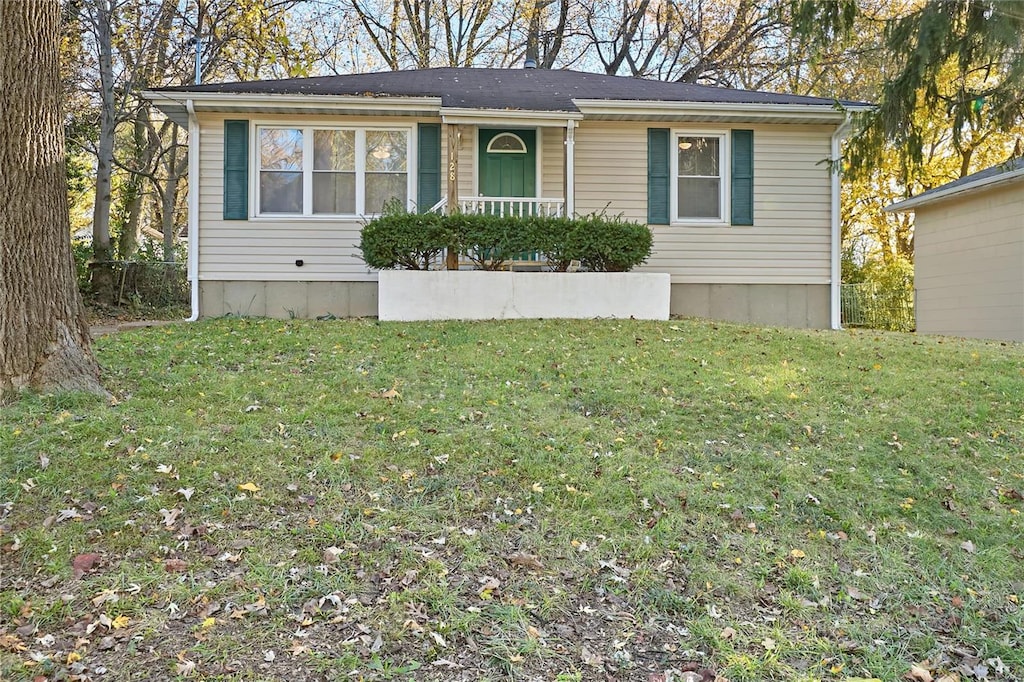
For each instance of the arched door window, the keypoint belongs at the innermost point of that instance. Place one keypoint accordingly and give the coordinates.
(506, 143)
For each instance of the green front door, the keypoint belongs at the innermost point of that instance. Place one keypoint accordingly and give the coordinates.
(508, 163)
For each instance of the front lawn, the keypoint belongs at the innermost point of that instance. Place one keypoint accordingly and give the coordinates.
(553, 500)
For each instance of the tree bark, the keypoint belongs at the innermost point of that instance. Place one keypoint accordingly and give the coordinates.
(44, 338)
(102, 252)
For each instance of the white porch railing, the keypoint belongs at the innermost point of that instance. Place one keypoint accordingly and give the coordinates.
(513, 206)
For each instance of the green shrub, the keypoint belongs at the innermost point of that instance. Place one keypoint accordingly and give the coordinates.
(409, 241)
(413, 241)
(600, 244)
(490, 241)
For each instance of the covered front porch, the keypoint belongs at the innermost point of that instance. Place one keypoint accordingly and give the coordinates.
(506, 163)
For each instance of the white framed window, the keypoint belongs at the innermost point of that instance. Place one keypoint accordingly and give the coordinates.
(700, 177)
(330, 171)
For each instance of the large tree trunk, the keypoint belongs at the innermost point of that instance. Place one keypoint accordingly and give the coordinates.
(44, 338)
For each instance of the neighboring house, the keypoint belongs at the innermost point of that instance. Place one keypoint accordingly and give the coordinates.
(969, 254)
(735, 185)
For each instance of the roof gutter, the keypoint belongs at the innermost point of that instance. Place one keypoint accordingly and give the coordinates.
(836, 279)
(591, 107)
(272, 99)
(524, 117)
(949, 192)
(193, 208)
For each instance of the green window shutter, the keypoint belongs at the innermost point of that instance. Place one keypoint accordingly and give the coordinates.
(742, 177)
(429, 166)
(658, 166)
(236, 170)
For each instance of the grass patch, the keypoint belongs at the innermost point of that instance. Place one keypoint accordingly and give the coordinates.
(556, 500)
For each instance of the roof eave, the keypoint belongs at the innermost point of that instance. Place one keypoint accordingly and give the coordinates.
(173, 103)
(275, 98)
(951, 192)
(736, 111)
(469, 116)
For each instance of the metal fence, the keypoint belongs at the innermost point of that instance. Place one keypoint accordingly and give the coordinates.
(869, 305)
(153, 283)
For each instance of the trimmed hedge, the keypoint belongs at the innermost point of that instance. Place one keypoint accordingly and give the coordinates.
(407, 241)
(412, 241)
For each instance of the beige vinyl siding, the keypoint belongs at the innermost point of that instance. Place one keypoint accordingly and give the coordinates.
(467, 161)
(552, 164)
(969, 264)
(789, 241)
(266, 248)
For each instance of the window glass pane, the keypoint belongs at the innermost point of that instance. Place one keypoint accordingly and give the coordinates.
(334, 150)
(280, 192)
(699, 197)
(698, 156)
(281, 149)
(385, 151)
(382, 187)
(334, 192)
(507, 142)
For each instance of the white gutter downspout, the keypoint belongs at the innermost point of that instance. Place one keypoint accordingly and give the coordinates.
(193, 208)
(570, 168)
(836, 250)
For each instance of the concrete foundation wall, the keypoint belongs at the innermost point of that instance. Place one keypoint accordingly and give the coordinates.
(784, 305)
(781, 305)
(408, 295)
(284, 300)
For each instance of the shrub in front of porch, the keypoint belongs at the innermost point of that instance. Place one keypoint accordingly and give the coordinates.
(405, 241)
(412, 241)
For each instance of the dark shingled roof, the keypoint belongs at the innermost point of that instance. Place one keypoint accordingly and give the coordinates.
(989, 173)
(523, 89)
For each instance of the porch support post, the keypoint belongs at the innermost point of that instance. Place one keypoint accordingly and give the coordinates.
(570, 168)
(452, 202)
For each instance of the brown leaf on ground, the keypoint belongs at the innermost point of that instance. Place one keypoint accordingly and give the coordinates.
(389, 394)
(590, 658)
(918, 673)
(12, 643)
(525, 560)
(83, 563)
(175, 565)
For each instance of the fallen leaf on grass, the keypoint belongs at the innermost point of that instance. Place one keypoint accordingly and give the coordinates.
(185, 667)
(249, 487)
(918, 673)
(727, 634)
(967, 546)
(187, 493)
(83, 563)
(331, 554)
(525, 560)
(66, 514)
(170, 516)
(12, 643)
(175, 565)
(590, 658)
(389, 394)
(487, 585)
(856, 594)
